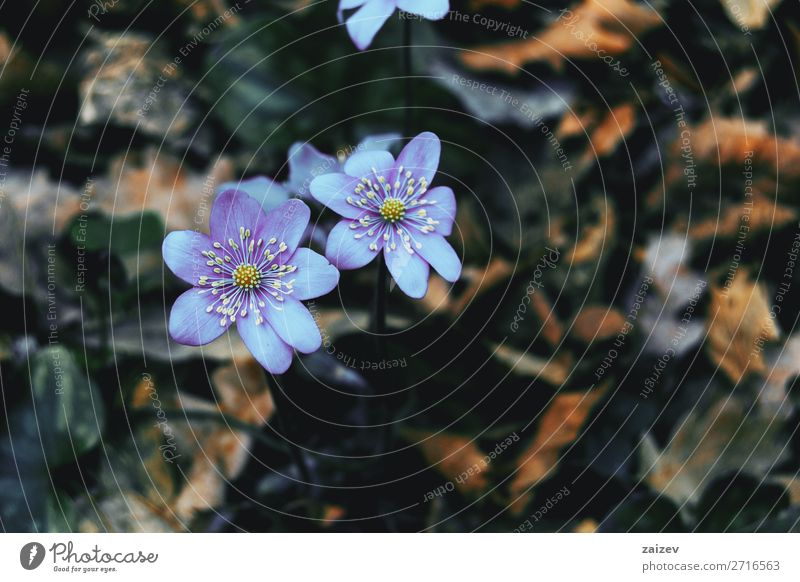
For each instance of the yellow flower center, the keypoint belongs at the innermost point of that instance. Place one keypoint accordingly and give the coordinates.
(246, 276)
(393, 209)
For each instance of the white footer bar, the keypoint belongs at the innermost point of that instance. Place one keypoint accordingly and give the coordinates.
(401, 557)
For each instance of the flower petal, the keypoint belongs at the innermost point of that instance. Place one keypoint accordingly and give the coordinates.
(267, 348)
(430, 9)
(189, 322)
(348, 5)
(365, 24)
(378, 142)
(420, 156)
(287, 223)
(306, 162)
(346, 252)
(441, 256)
(181, 250)
(442, 208)
(315, 276)
(295, 325)
(360, 164)
(332, 190)
(409, 271)
(233, 209)
(265, 191)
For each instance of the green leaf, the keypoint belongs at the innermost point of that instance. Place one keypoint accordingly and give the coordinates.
(69, 410)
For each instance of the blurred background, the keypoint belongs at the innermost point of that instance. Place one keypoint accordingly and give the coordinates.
(618, 355)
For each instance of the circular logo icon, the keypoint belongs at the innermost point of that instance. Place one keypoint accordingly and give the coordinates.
(31, 555)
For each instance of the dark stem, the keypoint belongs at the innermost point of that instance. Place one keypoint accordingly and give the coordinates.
(409, 85)
(379, 314)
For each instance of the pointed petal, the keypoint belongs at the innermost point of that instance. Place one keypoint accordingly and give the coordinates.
(442, 209)
(346, 252)
(181, 251)
(233, 209)
(315, 276)
(305, 163)
(430, 9)
(380, 141)
(365, 24)
(288, 223)
(189, 322)
(360, 164)
(420, 157)
(409, 271)
(295, 325)
(440, 255)
(347, 5)
(332, 190)
(267, 348)
(264, 190)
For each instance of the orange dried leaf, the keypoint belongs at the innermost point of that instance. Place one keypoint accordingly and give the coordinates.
(596, 25)
(765, 215)
(597, 323)
(593, 237)
(739, 324)
(612, 130)
(558, 428)
(456, 457)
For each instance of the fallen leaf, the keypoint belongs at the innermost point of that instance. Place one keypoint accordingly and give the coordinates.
(595, 238)
(223, 453)
(752, 14)
(126, 512)
(553, 370)
(331, 514)
(765, 214)
(130, 80)
(160, 183)
(596, 25)
(456, 457)
(782, 365)
(552, 328)
(727, 436)
(739, 324)
(720, 140)
(612, 130)
(595, 323)
(558, 427)
(588, 525)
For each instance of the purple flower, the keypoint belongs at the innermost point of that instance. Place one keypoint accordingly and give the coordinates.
(367, 21)
(249, 272)
(306, 162)
(387, 206)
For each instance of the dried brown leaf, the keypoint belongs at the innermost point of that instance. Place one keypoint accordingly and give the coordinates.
(739, 324)
(596, 25)
(752, 14)
(559, 426)
(617, 124)
(708, 442)
(161, 184)
(597, 323)
(456, 457)
(765, 214)
(595, 237)
(553, 370)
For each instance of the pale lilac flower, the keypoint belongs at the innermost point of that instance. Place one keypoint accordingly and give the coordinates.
(389, 207)
(250, 272)
(365, 23)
